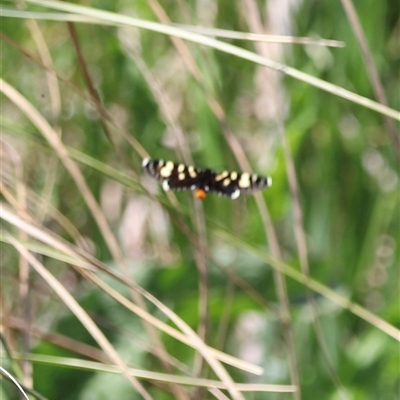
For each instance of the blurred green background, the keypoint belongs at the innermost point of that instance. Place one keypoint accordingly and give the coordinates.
(345, 163)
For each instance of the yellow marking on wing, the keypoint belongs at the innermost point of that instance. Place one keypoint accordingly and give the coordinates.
(226, 182)
(181, 167)
(234, 175)
(221, 176)
(192, 172)
(166, 170)
(244, 181)
(181, 176)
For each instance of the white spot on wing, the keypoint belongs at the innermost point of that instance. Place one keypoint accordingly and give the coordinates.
(235, 194)
(145, 162)
(165, 185)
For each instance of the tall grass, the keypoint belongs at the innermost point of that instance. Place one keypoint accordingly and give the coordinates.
(124, 291)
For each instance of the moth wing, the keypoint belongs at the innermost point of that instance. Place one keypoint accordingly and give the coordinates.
(173, 176)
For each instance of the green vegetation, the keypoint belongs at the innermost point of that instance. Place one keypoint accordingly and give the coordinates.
(102, 271)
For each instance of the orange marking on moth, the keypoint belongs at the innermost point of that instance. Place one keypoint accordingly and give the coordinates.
(200, 194)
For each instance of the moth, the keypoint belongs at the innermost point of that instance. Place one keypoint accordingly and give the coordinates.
(177, 176)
